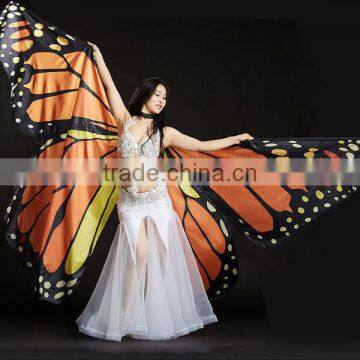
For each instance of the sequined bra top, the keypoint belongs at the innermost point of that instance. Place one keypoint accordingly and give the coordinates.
(128, 146)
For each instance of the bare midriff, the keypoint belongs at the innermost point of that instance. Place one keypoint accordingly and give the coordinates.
(136, 167)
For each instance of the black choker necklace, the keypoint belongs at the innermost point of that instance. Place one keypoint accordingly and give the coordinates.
(147, 116)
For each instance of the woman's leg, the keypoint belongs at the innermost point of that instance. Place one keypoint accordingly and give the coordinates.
(142, 249)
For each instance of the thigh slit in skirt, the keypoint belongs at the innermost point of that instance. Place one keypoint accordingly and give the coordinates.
(150, 286)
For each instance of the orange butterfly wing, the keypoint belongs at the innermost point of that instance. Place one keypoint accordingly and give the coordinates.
(217, 216)
(56, 96)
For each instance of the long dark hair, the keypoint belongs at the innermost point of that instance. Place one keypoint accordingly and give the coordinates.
(141, 95)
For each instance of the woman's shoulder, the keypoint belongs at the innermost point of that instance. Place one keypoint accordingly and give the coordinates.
(169, 129)
(124, 122)
(124, 118)
(169, 132)
(127, 117)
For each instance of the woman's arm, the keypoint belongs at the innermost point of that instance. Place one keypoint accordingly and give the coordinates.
(173, 137)
(116, 103)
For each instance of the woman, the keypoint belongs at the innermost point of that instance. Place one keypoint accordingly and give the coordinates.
(150, 286)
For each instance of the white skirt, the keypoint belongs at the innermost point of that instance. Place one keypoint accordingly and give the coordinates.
(150, 286)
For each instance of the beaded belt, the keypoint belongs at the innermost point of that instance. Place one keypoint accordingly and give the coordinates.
(153, 198)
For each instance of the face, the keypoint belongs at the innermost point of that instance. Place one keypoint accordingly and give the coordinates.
(157, 101)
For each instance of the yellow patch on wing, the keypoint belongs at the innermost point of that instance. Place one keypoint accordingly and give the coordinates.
(95, 218)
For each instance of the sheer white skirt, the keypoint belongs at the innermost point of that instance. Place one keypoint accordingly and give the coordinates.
(150, 286)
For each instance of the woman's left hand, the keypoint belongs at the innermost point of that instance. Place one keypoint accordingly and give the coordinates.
(242, 137)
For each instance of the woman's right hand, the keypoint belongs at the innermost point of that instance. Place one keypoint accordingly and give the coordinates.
(96, 51)
(115, 101)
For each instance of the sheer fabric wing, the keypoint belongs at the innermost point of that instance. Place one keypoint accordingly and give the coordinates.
(56, 97)
(216, 217)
